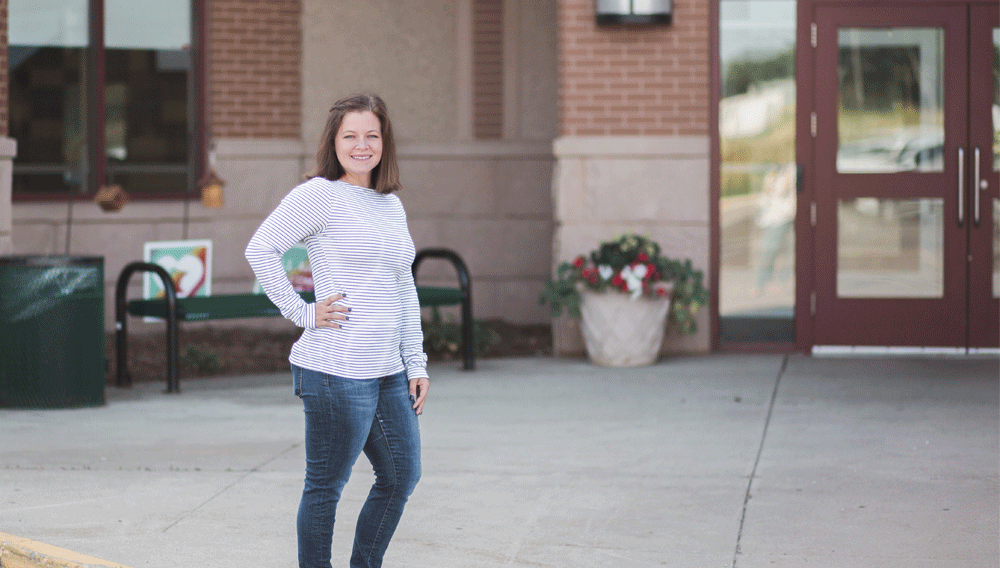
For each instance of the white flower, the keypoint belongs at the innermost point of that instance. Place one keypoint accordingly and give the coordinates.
(639, 270)
(633, 276)
(605, 271)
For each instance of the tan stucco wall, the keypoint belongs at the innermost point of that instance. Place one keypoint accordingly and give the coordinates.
(404, 50)
(654, 185)
(534, 111)
(490, 202)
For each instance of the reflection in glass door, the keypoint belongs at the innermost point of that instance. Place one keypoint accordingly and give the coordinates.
(890, 119)
(891, 100)
(757, 172)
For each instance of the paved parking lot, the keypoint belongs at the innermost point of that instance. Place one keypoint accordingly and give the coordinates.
(717, 461)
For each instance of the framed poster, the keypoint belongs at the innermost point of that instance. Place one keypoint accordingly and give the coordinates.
(189, 264)
(296, 263)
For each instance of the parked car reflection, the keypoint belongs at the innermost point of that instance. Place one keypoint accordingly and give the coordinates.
(894, 153)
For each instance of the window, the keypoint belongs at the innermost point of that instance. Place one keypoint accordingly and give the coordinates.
(757, 170)
(70, 141)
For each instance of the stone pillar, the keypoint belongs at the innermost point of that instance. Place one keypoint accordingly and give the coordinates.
(651, 185)
(8, 146)
(8, 149)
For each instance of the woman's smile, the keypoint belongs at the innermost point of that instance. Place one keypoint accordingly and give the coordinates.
(359, 147)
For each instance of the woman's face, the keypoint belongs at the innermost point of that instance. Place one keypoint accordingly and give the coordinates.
(359, 146)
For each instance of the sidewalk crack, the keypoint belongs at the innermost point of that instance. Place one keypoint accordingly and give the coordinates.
(756, 462)
(252, 470)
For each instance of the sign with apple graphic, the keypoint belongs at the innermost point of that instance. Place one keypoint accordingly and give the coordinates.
(189, 264)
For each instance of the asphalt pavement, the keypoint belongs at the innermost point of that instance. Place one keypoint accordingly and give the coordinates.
(745, 461)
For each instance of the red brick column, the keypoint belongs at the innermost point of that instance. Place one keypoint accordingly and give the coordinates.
(633, 81)
(254, 68)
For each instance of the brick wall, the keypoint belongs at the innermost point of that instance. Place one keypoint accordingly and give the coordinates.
(487, 62)
(633, 81)
(254, 68)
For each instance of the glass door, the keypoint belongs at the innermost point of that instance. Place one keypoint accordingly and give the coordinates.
(891, 152)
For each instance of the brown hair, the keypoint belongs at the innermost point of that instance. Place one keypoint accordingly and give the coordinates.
(385, 175)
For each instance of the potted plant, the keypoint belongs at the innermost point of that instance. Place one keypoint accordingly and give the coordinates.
(627, 293)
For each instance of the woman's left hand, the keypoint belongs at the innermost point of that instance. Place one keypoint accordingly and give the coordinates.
(418, 393)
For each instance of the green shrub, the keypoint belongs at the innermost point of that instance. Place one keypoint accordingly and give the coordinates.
(445, 337)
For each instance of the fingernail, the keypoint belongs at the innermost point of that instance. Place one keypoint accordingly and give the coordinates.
(348, 310)
(344, 295)
(346, 318)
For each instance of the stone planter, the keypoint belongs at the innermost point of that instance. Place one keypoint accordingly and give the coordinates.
(621, 332)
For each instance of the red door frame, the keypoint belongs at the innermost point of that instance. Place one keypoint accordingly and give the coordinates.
(984, 327)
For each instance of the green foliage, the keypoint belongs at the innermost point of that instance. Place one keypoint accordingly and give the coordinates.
(688, 296)
(446, 336)
(742, 74)
(603, 274)
(202, 361)
(561, 293)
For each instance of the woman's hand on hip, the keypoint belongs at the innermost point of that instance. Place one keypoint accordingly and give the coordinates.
(328, 313)
(418, 393)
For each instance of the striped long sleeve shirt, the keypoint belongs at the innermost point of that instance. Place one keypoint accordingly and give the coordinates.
(359, 245)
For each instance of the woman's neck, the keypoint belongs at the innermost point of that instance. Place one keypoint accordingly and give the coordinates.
(365, 181)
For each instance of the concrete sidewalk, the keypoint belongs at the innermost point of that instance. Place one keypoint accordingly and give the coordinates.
(719, 461)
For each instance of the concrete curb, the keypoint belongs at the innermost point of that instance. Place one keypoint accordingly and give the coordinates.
(17, 552)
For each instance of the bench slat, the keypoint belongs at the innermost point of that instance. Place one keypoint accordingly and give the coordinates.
(221, 306)
(232, 306)
(433, 296)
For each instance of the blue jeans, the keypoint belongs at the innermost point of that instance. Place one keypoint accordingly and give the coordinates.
(343, 418)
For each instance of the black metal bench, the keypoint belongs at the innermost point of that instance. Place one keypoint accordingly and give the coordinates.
(231, 306)
(430, 296)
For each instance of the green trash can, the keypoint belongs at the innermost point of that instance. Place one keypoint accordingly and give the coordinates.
(51, 331)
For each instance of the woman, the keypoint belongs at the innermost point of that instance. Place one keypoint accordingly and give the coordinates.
(359, 366)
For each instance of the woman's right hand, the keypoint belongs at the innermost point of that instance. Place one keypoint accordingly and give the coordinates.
(329, 313)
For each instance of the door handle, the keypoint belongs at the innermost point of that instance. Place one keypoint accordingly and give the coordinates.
(977, 185)
(961, 185)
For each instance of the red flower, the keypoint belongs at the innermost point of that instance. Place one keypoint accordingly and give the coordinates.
(650, 271)
(579, 262)
(592, 277)
(618, 282)
(661, 292)
(642, 257)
